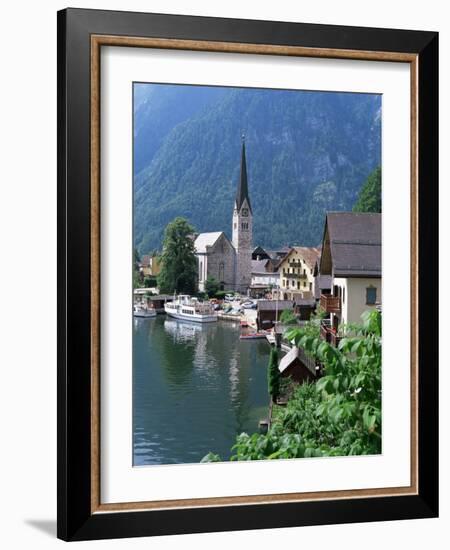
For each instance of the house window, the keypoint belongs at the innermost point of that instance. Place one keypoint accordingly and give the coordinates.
(221, 271)
(310, 286)
(298, 284)
(371, 295)
(343, 295)
(201, 271)
(293, 283)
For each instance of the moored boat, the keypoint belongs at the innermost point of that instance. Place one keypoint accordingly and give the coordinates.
(253, 335)
(190, 309)
(143, 311)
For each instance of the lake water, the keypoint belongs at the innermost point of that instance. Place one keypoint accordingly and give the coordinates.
(195, 387)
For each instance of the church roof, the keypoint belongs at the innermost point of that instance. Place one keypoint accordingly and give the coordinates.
(242, 190)
(206, 239)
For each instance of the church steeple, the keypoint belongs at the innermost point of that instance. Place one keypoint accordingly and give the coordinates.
(242, 189)
(243, 229)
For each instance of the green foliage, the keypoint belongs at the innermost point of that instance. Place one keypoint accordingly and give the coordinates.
(178, 262)
(273, 374)
(211, 457)
(150, 282)
(211, 286)
(288, 317)
(321, 146)
(369, 198)
(338, 415)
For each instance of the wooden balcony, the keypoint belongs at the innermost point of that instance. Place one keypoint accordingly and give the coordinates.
(329, 303)
(295, 275)
(329, 335)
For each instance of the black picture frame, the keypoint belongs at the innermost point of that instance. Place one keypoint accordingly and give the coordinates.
(75, 518)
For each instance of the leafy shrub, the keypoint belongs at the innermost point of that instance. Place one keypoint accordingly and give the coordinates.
(338, 415)
(288, 317)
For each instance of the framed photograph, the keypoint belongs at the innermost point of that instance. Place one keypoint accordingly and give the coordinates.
(247, 254)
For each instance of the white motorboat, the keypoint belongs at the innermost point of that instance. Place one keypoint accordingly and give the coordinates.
(143, 311)
(190, 309)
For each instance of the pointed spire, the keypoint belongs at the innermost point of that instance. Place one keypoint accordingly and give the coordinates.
(242, 190)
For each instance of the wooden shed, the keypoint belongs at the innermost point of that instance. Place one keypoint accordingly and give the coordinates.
(268, 311)
(298, 366)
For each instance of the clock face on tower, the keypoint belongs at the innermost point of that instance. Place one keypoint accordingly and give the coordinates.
(245, 212)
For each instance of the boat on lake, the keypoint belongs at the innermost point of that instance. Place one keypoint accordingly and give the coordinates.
(253, 335)
(190, 309)
(143, 311)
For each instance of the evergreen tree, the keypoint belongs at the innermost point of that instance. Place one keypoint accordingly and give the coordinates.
(136, 273)
(211, 286)
(273, 374)
(178, 262)
(369, 199)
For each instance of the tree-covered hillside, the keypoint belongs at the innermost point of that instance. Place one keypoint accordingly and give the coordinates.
(307, 152)
(369, 199)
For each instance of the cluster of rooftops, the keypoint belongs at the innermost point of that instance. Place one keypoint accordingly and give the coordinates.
(351, 247)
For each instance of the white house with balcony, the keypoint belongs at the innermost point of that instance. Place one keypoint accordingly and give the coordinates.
(351, 256)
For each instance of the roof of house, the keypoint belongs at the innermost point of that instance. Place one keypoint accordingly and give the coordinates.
(306, 302)
(355, 243)
(259, 266)
(273, 305)
(206, 239)
(308, 254)
(288, 359)
(322, 282)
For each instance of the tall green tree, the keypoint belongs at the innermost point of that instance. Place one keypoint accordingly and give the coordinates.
(369, 199)
(211, 286)
(178, 262)
(273, 374)
(136, 274)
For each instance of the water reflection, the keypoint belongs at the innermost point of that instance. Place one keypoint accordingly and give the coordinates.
(194, 388)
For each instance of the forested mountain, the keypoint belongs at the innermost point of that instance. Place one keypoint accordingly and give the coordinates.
(369, 199)
(307, 152)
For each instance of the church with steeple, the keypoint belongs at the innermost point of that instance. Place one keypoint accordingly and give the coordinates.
(229, 262)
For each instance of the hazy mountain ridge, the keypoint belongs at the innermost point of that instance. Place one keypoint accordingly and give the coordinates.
(306, 153)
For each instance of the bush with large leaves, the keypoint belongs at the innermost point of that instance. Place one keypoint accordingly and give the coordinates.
(338, 415)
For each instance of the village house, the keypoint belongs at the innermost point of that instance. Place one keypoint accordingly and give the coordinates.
(322, 283)
(265, 277)
(351, 256)
(229, 262)
(150, 266)
(297, 273)
(260, 253)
